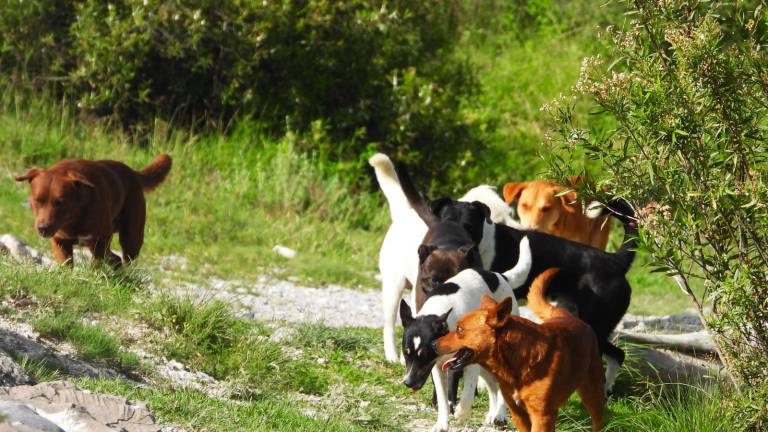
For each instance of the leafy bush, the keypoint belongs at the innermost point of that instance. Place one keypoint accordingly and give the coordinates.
(689, 94)
(367, 71)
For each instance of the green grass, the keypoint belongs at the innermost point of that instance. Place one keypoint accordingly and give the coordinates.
(92, 341)
(338, 374)
(228, 201)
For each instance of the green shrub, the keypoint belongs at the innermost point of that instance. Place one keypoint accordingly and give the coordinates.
(363, 70)
(688, 92)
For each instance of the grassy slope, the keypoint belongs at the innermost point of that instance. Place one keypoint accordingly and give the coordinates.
(230, 199)
(227, 202)
(319, 379)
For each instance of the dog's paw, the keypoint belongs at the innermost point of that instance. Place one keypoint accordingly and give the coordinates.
(496, 417)
(608, 388)
(462, 412)
(392, 357)
(440, 426)
(492, 419)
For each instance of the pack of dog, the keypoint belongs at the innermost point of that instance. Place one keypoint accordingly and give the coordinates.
(591, 280)
(438, 315)
(399, 258)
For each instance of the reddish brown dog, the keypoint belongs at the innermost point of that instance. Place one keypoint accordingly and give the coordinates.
(540, 208)
(85, 202)
(538, 366)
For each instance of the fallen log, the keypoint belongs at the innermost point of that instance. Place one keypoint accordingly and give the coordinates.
(671, 366)
(696, 342)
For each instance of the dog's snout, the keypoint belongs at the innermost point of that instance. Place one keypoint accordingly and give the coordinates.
(44, 229)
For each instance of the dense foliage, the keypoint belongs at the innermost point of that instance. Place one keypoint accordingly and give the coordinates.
(361, 71)
(687, 85)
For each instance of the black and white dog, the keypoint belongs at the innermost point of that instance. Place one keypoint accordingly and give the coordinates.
(439, 314)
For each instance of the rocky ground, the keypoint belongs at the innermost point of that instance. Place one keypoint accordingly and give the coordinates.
(59, 406)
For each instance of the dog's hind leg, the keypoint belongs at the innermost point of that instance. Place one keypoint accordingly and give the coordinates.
(592, 394)
(391, 293)
(497, 409)
(614, 357)
(132, 227)
(464, 408)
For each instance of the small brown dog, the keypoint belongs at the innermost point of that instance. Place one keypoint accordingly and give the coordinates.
(538, 366)
(85, 202)
(540, 209)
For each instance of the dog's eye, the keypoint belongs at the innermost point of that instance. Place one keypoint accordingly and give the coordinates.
(407, 351)
(545, 209)
(459, 331)
(58, 203)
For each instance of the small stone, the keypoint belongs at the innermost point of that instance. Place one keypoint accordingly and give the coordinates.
(283, 334)
(284, 251)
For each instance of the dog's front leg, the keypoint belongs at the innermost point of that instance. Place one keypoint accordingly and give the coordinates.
(497, 408)
(62, 250)
(439, 378)
(464, 409)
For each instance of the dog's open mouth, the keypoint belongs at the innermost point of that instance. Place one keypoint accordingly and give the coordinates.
(459, 360)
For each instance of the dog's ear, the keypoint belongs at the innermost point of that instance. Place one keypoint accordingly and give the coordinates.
(467, 248)
(484, 209)
(406, 317)
(488, 303)
(425, 251)
(30, 175)
(436, 206)
(442, 323)
(568, 200)
(79, 180)
(512, 191)
(499, 315)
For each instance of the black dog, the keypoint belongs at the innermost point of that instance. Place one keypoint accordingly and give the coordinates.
(593, 280)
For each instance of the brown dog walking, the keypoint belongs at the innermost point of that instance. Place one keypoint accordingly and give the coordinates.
(538, 366)
(85, 202)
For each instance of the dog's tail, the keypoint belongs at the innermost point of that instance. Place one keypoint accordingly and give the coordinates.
(414, 198)
(389, 184)
(537, 296)
(398, 188)
(518, 274)
(622, 210)
(154, 173)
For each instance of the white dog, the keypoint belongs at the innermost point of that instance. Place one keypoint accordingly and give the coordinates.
(398, 258)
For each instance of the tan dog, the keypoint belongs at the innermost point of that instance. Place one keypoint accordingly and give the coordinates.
(538, 366)
(85, 202)
(540, 209)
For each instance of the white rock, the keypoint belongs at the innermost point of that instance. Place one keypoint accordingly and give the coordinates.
(285, 251)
